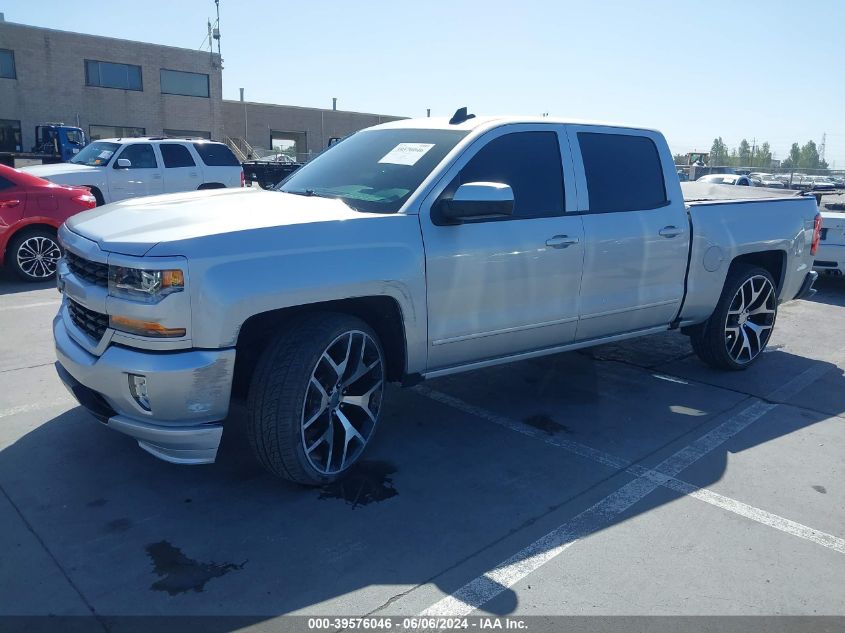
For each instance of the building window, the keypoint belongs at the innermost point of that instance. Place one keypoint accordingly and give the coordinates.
(10, 136)
(187, 134)
(97, 132)
(109, 75)
(7, 64)
(176, 82)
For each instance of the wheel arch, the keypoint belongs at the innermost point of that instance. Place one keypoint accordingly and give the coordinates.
(382, 313)
(774, 261)
(211, 185)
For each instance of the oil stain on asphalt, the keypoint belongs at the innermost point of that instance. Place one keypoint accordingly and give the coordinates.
(180, 574)
(367, 482)
(543, 422)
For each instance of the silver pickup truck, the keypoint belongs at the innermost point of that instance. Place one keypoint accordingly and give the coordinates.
(411, 250)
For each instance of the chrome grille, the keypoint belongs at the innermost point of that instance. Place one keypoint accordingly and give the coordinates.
(92, 272)
(91, 322)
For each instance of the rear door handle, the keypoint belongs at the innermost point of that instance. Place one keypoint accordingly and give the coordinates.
(670, 231)
(561, 241)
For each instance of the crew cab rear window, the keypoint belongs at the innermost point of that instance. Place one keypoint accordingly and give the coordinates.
(527, 161)
(216, 155)
(176, 155)
(624, 172)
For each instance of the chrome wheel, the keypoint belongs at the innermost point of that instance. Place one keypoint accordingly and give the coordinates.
(750, 320)
(342, 402)
(37, 256)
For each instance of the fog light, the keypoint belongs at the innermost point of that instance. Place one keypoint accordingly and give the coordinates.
(138, 389)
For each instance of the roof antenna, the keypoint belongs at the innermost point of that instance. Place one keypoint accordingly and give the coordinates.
(460, 116)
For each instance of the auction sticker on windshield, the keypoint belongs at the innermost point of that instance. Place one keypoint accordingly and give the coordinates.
(406, 153)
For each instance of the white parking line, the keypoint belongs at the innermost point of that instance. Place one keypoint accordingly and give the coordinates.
(36, 406)
(25, 306)
(506, 574)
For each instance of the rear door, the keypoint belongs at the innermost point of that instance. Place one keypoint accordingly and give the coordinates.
(636, 231)
(12, 204)
(501, 286)
(219, 164)
(142, 178)
(181, 172)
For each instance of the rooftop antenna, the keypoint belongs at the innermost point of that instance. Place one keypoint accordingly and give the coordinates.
(460, 116)
(216, 31)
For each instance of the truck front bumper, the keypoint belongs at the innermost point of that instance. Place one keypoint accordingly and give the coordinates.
(188, 394)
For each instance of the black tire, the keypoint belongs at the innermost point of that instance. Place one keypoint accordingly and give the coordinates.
(710, 341)
(279, 392)
(18, 254)
(98, 196)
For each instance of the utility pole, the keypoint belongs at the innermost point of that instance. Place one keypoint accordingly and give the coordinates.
(217, 32)
(753, 146)
(821, 147)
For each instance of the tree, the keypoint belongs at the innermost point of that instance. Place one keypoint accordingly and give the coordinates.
(794, 158)
(680, 159)
(809, 156)
(744, 153)
(718, 152)
(763, 158)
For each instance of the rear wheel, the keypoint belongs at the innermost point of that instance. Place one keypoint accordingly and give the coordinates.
(739, 329)
(315, 398)
(34, 254)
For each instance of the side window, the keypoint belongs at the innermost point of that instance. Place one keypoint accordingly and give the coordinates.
(624, 172)
(216, 155)
(5, 184)
(527, 161)
(176, 155)
(141, 155)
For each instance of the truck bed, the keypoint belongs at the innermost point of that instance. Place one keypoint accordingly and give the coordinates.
(699, 192)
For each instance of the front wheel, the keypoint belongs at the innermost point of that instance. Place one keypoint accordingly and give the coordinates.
(315, 398)
(34, 254)
(739, 329)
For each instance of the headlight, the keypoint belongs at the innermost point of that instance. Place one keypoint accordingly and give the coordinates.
(149, 286)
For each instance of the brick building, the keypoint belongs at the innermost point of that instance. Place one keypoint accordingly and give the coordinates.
(111, 87)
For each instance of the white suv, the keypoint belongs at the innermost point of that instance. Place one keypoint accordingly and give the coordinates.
(115, 169)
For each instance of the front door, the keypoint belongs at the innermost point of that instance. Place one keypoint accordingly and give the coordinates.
(141, 178)
(497, 287)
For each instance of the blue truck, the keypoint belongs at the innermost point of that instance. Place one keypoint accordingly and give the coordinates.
(54, 143)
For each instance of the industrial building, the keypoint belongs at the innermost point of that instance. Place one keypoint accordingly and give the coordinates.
(111, 87)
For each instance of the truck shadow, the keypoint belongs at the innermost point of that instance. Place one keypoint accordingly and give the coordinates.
(442, 495)
(831, 290)
(11, 284)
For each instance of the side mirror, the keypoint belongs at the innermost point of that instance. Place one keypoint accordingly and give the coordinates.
(124, 163)
(478, 200)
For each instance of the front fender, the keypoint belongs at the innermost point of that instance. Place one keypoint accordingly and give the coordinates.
(270, 269)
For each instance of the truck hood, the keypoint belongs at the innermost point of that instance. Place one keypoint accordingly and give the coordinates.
(49, 172)
(133, 227)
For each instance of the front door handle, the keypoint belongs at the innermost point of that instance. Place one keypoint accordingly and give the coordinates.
(8, 204)
(561, 241)
(670, 231)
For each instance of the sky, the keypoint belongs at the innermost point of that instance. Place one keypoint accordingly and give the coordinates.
(768, 70)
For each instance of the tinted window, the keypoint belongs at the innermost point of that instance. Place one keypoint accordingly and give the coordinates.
(7, 64)
(141, 155)
(216, 155)
(176, 155)
(5, 184)
(527, 161)
(623, 172)
(110, 75)
(176, 82)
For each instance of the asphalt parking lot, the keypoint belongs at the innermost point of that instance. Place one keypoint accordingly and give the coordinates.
(624, 480)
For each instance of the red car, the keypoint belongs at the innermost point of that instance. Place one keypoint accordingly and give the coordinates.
(31, 209)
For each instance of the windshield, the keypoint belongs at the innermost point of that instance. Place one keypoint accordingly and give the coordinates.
(96, 154)
(375, 170)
